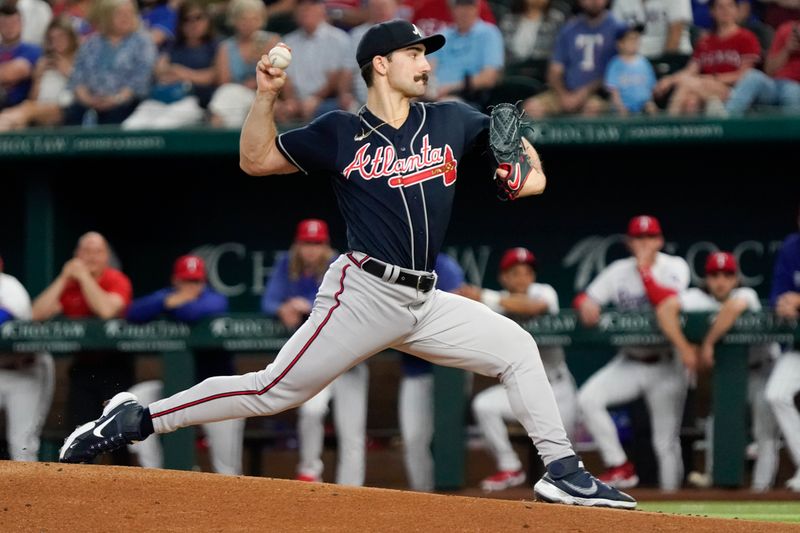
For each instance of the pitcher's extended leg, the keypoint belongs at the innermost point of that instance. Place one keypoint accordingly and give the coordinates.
(457, 332)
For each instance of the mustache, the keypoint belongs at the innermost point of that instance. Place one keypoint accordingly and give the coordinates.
(422, 77)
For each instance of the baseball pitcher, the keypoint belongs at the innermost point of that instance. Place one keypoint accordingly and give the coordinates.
(393, 167)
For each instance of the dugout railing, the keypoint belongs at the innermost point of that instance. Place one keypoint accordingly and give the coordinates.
(250, 333)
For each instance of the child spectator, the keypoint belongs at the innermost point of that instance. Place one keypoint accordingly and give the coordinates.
(584, 47)
(630, 77)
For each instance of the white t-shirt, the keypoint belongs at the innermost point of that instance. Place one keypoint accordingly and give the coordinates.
(656, 15)
(620, 284)
(36, 16)
(14, 298)
(699, 300)
(551, 355)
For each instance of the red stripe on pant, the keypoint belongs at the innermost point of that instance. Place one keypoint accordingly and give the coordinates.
(277, 379)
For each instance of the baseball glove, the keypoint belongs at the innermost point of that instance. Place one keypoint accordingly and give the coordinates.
(505, 142)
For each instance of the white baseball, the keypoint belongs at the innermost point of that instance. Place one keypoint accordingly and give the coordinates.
(280, 56)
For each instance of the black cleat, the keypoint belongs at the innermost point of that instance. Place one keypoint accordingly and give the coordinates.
(566, 481)
(118, 426)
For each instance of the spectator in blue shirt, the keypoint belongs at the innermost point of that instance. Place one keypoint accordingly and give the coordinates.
(190, 299)
(297, 276)
(114, 66)
(17, 59)
(289, 296)
(472, 62)
(584, 46)
(630, 77)
(161, 20)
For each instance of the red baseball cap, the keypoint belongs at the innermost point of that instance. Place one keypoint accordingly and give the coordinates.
(189, 268)
(721, 262)
(312, 230)
(644, 226)
(517, 256)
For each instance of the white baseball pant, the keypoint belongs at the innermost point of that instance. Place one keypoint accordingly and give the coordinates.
(663, 385)
(492, 409)
(764, 429)
(356, 315)
(225, 438)
(26, 395)
(349, 394)
(415, 408)
(782, 386)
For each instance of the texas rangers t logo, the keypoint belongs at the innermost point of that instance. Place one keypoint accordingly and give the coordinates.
(430, 163)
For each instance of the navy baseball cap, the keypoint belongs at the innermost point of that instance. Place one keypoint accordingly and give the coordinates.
(625, 29)
(386, 37)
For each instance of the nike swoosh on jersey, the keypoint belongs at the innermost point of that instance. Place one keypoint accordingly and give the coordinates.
(588, 491)
(97, 430)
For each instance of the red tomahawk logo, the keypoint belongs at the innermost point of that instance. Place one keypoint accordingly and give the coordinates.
(447, 169)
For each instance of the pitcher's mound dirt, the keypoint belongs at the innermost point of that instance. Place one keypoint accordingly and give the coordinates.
(59, 497)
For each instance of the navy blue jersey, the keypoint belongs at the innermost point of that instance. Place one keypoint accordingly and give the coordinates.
(786, 275)
(395, 187)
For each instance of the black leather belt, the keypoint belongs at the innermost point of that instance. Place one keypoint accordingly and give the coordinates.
(424, 282)
(650, 359)
(17, 361)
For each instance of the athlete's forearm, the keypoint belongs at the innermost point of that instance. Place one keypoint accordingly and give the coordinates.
(258, 136)
(206, 305)
(520, 304)
(656, 293)
(668, 317)
(730, 311)
(146, 308)
(537, 181)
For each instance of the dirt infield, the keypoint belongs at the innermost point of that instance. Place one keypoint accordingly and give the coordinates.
(56, 497)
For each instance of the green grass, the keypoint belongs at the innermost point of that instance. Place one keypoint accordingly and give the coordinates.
(762, 511)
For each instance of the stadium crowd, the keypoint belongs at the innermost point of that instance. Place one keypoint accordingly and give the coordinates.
(150, 64)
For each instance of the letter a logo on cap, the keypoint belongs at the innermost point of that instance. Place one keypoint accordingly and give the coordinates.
(416, 30)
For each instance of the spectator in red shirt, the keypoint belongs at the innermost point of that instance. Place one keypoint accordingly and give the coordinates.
(431, 16)
(88, 287)
(779, 83)
(719, 60)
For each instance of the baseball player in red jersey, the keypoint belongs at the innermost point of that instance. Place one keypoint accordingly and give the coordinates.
(393, 167)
